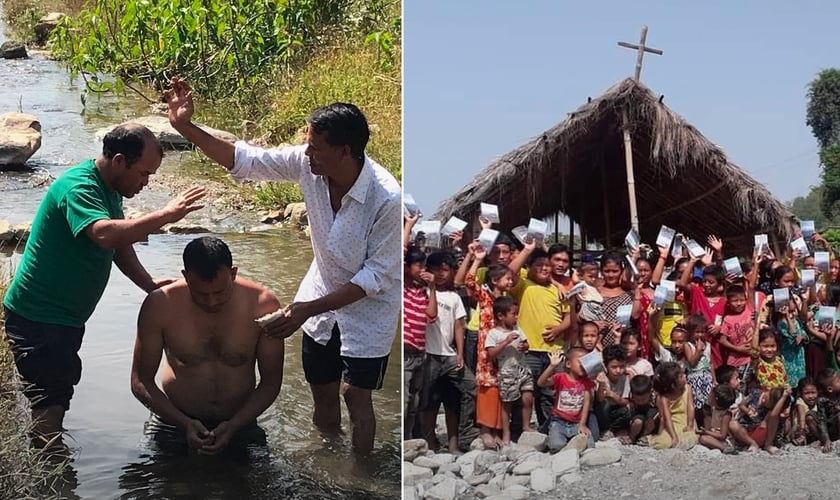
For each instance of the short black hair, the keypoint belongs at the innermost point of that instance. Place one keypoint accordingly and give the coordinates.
(559, 248)
(824, 380)
(590, 323)
(614, 353)
(503, 305)
(342, 124)
(735, 290)
(640, 384)
(494, 272)
(205, 256)
(438, 259)
(129, 140)
(414, 255)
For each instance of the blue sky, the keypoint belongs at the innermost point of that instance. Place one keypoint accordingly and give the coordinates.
(483, 77)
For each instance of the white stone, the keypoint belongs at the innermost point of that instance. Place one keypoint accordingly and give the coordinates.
(487, 490)
(478, 479)
(609, 443)
(527, 467)
(536, 440)
(514, 480)
(413, 475)
(600, 456)
(468, 457)
(468, 469)
(434, 461)
(579, 443)
(20, 138)
(477, 444)
(565, 462)
(453, 468)
(517, 492)
(500, 467)
(167, 135)
(415, 444)
(647, 476)
(571, 478)
(445, 490)
(410, 455)
(542, 480)
(485, 459)
(296, 214)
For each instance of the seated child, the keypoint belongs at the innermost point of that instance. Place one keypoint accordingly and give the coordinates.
(715, 435)
(759, 419)
(631, 340)
(828, 407)
(612, 397)
(643, 414)
(676, 408)
(506, 344)
(805, 417)
(731, 376)
(572, 399)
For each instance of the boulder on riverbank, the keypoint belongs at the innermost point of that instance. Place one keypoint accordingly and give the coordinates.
(20, 138)
(14, 234)
(166, 134)
(13, 50)
(45, 26)
(296, 214)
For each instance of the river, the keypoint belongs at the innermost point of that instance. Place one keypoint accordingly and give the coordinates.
(105, 422)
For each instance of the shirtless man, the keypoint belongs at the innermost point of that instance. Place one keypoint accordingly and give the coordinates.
(205, 325)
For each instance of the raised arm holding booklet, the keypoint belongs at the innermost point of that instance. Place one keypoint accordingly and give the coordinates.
(410, 205)
(665, 237)
(487, 238)
(537, 229)
(453, 225)
(821, 260)
(781, 298)
(761, 244)
(431, 230)
(733, 266)
(807, 228)
(809, 278)
(799, 244)
(632, 239)
(827, 316)
(694, 249)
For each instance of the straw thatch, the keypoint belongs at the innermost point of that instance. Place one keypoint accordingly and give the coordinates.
(578, 168)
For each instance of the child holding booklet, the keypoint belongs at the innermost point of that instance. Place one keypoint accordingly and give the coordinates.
(707, 299)
(505, 345)
(737, 329)
(573, 399)
(788, 321)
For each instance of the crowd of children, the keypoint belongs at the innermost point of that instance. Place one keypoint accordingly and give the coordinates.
(662, 348)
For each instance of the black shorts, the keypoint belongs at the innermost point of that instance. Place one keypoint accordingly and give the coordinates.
(324, 364)
(47, 358)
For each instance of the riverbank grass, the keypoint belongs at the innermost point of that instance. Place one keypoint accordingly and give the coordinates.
(24, 472)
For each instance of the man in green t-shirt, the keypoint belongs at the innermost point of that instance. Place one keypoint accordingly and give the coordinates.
(78, 231)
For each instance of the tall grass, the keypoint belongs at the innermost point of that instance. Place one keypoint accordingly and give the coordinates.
(24, 472)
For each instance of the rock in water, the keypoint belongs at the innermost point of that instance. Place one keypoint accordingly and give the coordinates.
(166, 134)
(45, 26)
(13, 50)
(20, 138)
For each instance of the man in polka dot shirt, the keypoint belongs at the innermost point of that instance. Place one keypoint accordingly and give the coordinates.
(348, 303)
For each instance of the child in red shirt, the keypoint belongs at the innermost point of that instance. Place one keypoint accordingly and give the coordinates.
(572, 399)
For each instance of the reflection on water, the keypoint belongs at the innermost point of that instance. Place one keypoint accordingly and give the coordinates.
(105, 423)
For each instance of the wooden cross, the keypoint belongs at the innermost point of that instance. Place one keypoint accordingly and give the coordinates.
(642, 49)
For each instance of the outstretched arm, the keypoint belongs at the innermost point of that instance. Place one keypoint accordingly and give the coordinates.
(180, 100)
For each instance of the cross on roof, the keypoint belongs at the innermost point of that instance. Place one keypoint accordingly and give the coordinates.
(642, 49)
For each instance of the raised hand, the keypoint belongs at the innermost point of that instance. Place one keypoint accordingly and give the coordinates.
(707, 259)
(485, 222)
(715, 243)
(180, 100)
(184, 203)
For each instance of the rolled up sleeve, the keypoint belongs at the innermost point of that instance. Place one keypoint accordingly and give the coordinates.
(381, 268)
(261, 164)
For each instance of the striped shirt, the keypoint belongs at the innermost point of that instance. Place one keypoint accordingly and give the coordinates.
(415, 302)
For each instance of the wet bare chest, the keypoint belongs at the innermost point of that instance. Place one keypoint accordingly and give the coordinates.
(191, 343)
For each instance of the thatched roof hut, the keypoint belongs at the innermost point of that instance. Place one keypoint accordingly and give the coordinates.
(578, 168)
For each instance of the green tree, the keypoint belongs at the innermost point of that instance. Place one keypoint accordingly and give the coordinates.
(823, 116)
(809, 207)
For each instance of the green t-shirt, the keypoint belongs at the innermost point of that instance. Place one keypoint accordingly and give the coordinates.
(63, 274)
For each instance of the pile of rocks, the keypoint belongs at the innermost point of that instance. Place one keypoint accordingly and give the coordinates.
(519, 471)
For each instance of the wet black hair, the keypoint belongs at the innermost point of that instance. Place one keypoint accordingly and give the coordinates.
(342, 124)
(129, 140)
(205, 256)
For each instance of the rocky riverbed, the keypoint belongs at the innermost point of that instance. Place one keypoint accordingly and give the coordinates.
(611, 470)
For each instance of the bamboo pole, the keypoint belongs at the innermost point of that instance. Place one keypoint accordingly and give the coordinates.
(631, 179)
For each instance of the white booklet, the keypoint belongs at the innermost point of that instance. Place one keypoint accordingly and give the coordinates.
(453, 225)
(576, 290)
(807, 228)
(431, 230)
(677, 248)
(410, 205)
(694, 249)
(521, 233)
(799, 244)
(670, 289)
(632, 266)
(781, 298)
(490, 212)
(623, 314)
(827, 316)
(821, 260)
(761, 243)
(537, 229)
(487, 238)
(632, 239)
(665, 237)
(733, 266)
(809, 278)
(660, 296)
